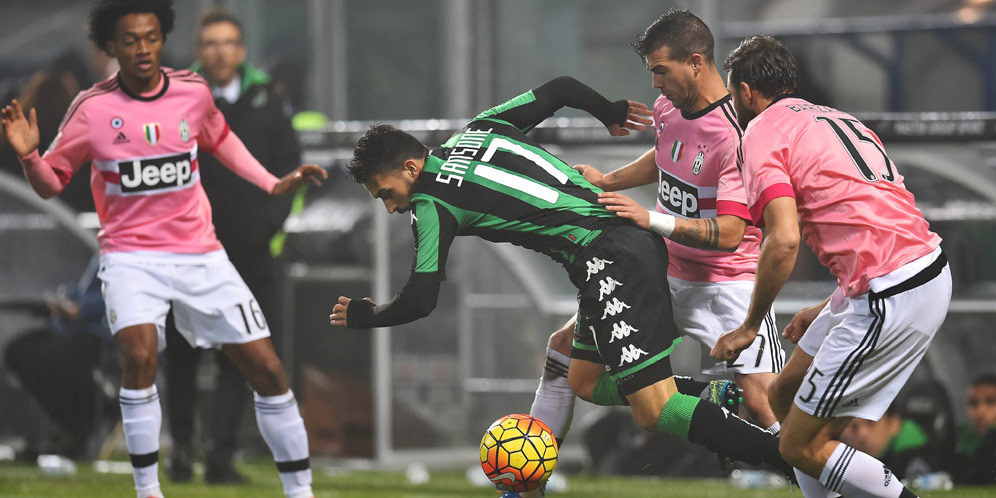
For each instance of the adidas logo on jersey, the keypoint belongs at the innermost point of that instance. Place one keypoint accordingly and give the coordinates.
(120, 139)
(677, 196)
(139, 175)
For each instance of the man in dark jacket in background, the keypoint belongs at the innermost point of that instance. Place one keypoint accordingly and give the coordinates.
(245, 220)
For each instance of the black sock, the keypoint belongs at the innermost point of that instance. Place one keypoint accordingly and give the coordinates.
(690, 386)
(726, 434)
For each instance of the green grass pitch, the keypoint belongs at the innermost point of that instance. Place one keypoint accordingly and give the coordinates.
(24, 480)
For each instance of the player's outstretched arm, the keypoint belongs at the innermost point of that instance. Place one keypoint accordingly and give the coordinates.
(21, 133)
(23, 136)
(416, 300)
(306, 173)
(641, 171)
(778, 253)
(722, 233)
(531, 108)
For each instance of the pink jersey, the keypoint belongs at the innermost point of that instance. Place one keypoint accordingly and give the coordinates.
(857, 215)
(145, 179)
(698, 178)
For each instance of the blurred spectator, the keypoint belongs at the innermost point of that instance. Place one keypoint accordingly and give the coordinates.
(60, 365)
(245, 220)
(901, 444)
(50, 91)
(975, 458)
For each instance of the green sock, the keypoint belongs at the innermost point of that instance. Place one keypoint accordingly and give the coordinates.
(606, 393)
(676, 415)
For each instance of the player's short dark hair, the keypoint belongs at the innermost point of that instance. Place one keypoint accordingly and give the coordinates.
(216, 16)
(105, 15)
(765, 64)
(383, 148)
(682, 32)
(986, 379)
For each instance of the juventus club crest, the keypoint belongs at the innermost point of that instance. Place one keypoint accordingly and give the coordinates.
(184, 128)
(153, 132)
(697, 164)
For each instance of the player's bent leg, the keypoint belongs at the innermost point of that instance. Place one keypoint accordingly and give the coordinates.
(554, 400)
(709, 425)
(812, 445)
(783, 389)
(277, 414)
(141, 413)
(755, 387)
(584, 378)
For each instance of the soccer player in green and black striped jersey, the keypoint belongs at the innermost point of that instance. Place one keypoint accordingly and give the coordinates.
(493, 181)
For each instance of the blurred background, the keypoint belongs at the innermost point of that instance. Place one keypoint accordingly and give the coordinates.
(921, 73)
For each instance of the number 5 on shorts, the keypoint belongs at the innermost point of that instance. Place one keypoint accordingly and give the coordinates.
(812, 392)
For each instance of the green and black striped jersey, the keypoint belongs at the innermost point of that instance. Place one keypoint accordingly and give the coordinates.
(492, 181)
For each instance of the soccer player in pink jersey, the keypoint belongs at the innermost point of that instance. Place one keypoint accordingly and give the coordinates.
(702, 213)
(813, 163)
(142, 129)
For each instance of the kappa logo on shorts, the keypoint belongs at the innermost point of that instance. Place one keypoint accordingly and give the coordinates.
(621, 330)
(631, 354)
(596, 265)
(613, 307)
(606, 286)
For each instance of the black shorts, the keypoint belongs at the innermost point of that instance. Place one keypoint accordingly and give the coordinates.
(624, 308)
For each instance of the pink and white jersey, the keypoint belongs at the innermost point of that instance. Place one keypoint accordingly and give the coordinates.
(145, 179)
(857, 215)
(698, 178)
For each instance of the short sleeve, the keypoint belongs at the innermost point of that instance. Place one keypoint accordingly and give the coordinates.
(731, 198)
(765, 168)
(213, 127)
(434, 228)
(71, 147)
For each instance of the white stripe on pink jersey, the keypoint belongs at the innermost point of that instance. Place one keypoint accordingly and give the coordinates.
(857, 215)
(698, 178)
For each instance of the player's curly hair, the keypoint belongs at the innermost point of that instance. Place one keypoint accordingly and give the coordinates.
(383, 148)
(765, 64)
(682, 32)
(105, 15)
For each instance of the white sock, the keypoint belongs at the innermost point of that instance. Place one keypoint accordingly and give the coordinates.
(282, 428)
(811, 487)
(856, 474)
(142, 418)
(554, 401)
(775, 428)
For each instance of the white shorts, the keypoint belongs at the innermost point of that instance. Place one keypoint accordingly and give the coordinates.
(211, 304)
(866, 347)
(707, 310)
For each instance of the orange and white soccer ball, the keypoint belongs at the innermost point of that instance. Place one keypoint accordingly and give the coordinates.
(518, 453)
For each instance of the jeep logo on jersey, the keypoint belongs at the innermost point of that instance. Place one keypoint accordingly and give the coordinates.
(151, 174)
(675, 195)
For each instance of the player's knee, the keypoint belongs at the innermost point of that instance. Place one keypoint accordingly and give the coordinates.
(582, 387)
(797, 453)
(561, 341)
(139, 360)
(647, 417)
(267, 377)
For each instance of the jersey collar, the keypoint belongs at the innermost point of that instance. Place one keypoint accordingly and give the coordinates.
(158, 94)
(706, 110)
